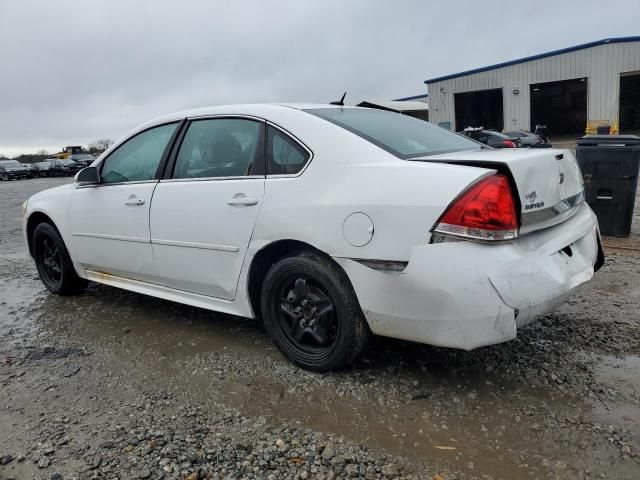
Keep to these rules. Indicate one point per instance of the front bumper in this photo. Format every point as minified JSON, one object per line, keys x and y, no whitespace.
{"x":467,"y":295}
{"x":16,"y":174}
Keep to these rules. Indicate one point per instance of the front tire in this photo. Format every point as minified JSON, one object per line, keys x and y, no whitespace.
{"x":54,"y":263}
{"x":311,"y":312}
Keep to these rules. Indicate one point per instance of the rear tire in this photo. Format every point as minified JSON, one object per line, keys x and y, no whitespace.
{"x":54,"y":263}
{"x":311,"y":312}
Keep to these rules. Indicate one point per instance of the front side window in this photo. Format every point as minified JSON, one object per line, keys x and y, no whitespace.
{"x":403,"y":136}
{"x":221,"y":147}
{"x":138,"y":158}
{"x":284,"y":155}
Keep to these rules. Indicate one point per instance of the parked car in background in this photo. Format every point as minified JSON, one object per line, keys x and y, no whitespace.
{"x":83,"y":159}
{"x":529,"y":140}
{"x":10,"y":169}
{"x":491,"y":138}
{"x":425,"y":237}
{"x":64,"y":168}
{"x":31,"y":170}
{"x":42,"y":168}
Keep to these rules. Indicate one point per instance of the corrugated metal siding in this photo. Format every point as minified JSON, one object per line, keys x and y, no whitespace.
{"x":602,"y":65}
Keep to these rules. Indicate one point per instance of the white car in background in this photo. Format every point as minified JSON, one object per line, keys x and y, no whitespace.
{"x":330,"y":223}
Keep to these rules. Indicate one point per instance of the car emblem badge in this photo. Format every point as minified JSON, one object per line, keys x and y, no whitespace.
{"x":531,"y":197}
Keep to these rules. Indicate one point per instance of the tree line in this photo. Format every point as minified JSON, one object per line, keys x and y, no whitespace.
{"x":94,"y":148}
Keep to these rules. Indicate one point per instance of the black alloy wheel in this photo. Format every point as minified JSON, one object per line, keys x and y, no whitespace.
{"x":307,"y":315}
{"x":53,"y":261}
{"x":49,"y":258}
{"x":311,"y":312}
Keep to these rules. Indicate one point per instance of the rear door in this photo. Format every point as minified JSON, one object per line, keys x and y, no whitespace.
{"x":110,"y":221}
{"x":204,"y":210}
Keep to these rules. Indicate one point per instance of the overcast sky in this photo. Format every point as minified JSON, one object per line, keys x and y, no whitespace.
{"x":75,"y":71}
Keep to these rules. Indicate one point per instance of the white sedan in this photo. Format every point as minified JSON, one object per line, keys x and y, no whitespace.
{"x":330,"y":223}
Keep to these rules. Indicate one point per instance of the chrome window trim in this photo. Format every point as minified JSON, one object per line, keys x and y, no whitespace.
{"x":209,"y":179}
{"x":299,"y":142}
{"x":102,"y":185}
{"x":567,"y":206}
{"x":228,"y":115}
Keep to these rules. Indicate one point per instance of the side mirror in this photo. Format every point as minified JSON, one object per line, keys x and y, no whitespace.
{"x":87,"y":176}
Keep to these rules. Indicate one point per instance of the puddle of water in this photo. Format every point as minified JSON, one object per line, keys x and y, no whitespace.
{"x":456,"y":415}
{"x":623,"y":374}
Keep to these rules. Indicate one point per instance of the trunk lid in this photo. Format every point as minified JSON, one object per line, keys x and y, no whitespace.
{"x":549,"y":182}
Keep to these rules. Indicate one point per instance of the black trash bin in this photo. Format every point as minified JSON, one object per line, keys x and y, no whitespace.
{"x":610,"y":170}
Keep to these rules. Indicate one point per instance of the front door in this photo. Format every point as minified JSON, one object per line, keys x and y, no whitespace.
{"x":110,"y":221}
{"x":202,"y":216}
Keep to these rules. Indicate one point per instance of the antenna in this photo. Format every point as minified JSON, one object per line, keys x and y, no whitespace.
{"x":341,"y":101}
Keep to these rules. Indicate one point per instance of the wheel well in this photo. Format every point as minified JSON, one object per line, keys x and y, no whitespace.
{"x":35,"y":219}
{"x":264,"y":259}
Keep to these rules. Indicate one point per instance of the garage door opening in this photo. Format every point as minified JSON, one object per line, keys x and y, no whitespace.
{"x":561,"y":106}
{"x":479,"y":109}
{"x":630,"y":103}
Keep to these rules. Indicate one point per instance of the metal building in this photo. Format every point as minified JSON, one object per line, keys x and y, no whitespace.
{"x":415,"y":106}
{"x":567,"y":90}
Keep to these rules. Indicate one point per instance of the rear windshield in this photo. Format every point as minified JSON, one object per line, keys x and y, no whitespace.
{"x":401,"y":135}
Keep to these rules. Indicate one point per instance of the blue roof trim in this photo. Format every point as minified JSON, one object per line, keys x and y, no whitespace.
{"x":413,"y":97}
{"x":553,"y":53}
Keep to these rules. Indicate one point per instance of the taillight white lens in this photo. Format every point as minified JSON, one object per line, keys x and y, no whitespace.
{"x":485,"y":211}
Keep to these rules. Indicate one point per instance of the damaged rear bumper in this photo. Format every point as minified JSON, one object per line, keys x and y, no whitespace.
{"x":467,"y":295}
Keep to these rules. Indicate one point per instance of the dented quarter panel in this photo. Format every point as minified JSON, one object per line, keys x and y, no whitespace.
{"x":465,"y":295}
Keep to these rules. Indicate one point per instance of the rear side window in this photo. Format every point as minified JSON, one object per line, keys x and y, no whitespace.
{"x":221,"y":147}
{"x":401,"y":135}
{"x":285,"y":156}
{"x":138,"y":158}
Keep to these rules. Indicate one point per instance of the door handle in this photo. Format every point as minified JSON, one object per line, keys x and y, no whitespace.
{"x":242,"y":200}
{"x":133,"y":200}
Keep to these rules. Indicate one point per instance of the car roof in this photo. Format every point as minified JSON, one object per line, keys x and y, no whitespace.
{"x":258,"y":109}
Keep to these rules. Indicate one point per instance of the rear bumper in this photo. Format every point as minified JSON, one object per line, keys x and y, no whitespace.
{"x":467,"y":295}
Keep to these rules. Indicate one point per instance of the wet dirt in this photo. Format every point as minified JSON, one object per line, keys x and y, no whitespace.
{"x":561,"y":401}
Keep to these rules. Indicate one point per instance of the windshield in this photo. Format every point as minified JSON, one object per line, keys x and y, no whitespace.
{"x":400,"y":135}
{"x":11,"y":164}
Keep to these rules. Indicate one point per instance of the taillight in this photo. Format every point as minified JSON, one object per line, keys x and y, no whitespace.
{"x":509,"y":144}
{"x":485,"y":211}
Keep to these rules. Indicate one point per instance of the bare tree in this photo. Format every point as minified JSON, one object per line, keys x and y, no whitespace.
{"x":42,"y":152}
{"x":99,"y":145}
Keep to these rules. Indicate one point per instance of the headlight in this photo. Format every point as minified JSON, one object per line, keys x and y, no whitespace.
{"x":24,"y":207}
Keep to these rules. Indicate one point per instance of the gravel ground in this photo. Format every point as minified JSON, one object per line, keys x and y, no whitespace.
{"x":112,"y":384}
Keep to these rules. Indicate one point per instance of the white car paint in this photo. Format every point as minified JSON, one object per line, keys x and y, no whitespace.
{"x":197,"y":255}
{"x":194,"y":241}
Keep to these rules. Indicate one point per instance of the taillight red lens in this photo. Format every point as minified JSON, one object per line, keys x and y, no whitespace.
{"x":486,"y":211}
{"x":508,"y":144}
